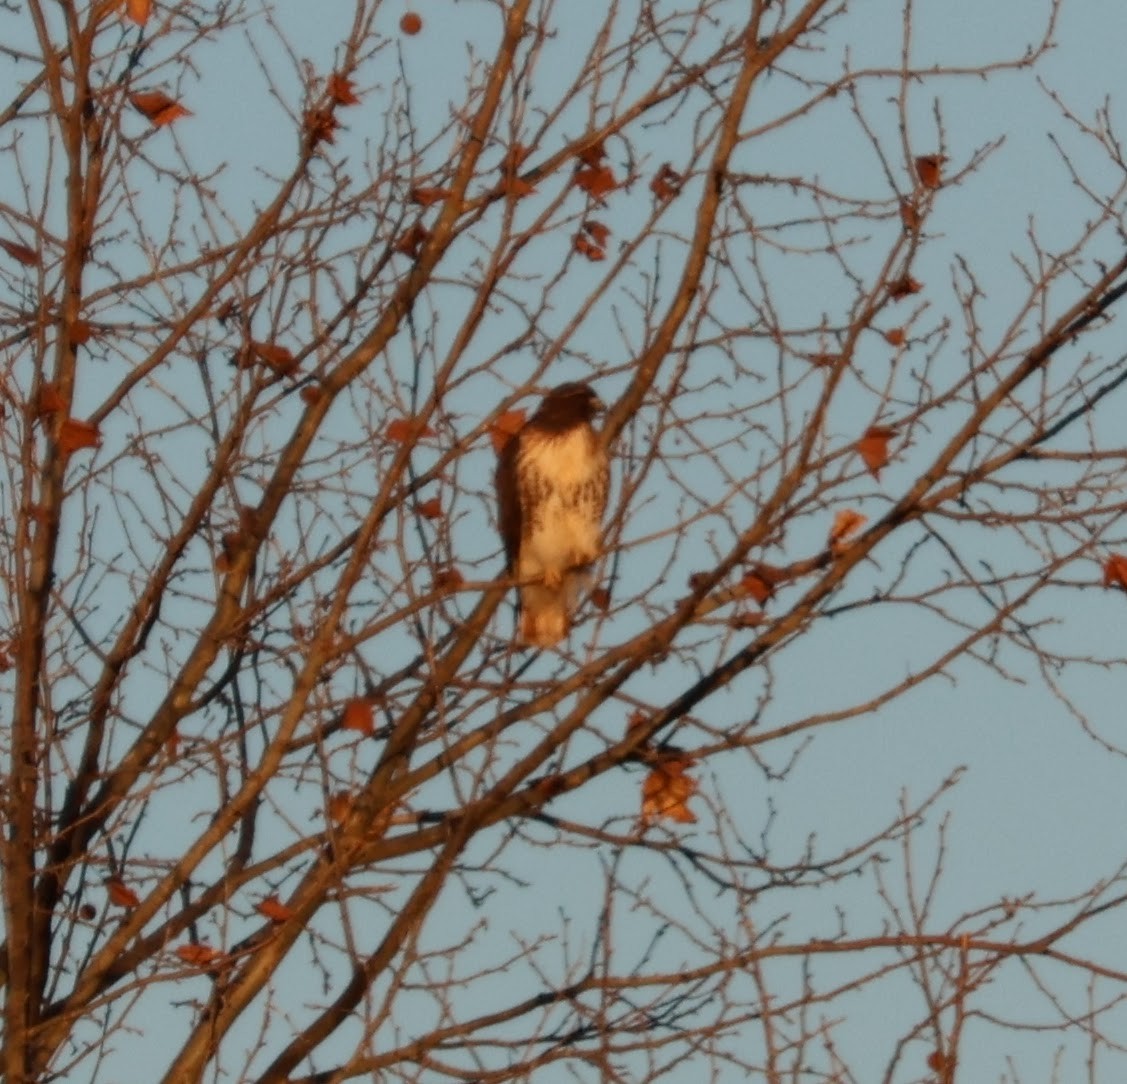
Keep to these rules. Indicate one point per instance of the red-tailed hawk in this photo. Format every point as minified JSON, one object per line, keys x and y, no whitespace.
{"x":552,"y":481}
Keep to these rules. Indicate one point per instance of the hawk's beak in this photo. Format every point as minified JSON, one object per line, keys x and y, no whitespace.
{"x":597,"y":405}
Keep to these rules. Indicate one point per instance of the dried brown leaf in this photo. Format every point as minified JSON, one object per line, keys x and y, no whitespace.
{"x":903,"y":287}
{"x":120,"y":893}
{"x":667,"y":790}
{"x":448,"y":579}
{"x":273,"y":908}
{"x":593,"y":153}
{"x":407,"y":430}
{"x":847,"y":522}
{"x":139,"y":10}
{"x":21,"y":253}
{"x":431,"y":508}
{"x":596,"y":181}
{"x":341,"y":90}
{"x":667,"y":183}
{"x":1115,"y":571}
{"x":359,"y":716}
{"x":411,"y":240}
{"x":425,"y":195}
{"x":75,"y":434}
{"x":158,"y":107}
{"x":198,"y":955}
{"x":929,"y":168}
{"x":504,"y":427}
{"x":873,"y":447}
{"x":321,"y":125}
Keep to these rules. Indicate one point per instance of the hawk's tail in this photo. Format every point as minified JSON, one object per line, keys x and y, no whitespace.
{"x":545,"y":617}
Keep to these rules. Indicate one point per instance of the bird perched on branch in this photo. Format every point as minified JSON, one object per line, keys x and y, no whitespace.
{"x":552,"y":481}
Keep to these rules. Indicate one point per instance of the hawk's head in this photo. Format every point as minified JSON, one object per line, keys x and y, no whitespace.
{"x":568,"y":405}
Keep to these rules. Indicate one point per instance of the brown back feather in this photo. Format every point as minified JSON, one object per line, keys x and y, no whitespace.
{"x":508,"y":499}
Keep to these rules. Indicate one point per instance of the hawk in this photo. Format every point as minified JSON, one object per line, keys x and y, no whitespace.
{"x":552,"y":481}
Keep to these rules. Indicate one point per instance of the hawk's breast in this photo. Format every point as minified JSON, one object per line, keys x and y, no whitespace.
{"x":563,"y":488}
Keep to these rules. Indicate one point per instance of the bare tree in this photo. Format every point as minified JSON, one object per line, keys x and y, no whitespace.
{"x":285,"y":797}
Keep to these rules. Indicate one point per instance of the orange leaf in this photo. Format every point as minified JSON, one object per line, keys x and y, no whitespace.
{"x":158,"y":107}
{"x":410,"y":242}
{"x":273,"y":909}
{"x":310,"y":394}
{"x":227,"y":311}
{"x":230,"y":543}
{"x":432,"y":508}
{"x":518,"y":187}
{"x":504,"y":427}
{"x":120,"y":893}
{"x":358,"y":716}
{"x":596,"y":181}
{"x":873,"y":447}
{"x":75,"y":434}
{"x":894,"y":336}
{"x":593,"y":154}
{"x":407,"y":430}
{"x":1115,"y":571}
{"x":597,"y":231}
{"x":666,"y":183}
{"x":425,"y":195}
{"x":904,"y":287}
{"x":589,"y":249}
{"x":929,"y":168}
{"x":167,"y":116}
{"x":939,"y":1061}
{"x":198,"y":955}
{"x":139,"y":10}
{"x":746,"y":620}
{"x":698,"y":581}
{"x":277,"y":357}
{"x":411,"y":23}
{"x":50,"y":400}
{"x":21,"y":253}
{"x":600,"y":599}
{"x":827,"y":361}
{"x":448,"y":579}
{"x":760,"y":581}
{"x":340,"y":805}
{"x":910,"y":215}
{"x":321,"y":126}
{"x":81,"y":331}
{"x":846,"y":523}
{"x":668,"y":788}
{"x":341,"y":90}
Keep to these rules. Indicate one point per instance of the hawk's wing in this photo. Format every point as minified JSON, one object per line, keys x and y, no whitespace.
{"x":508,"y":499}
